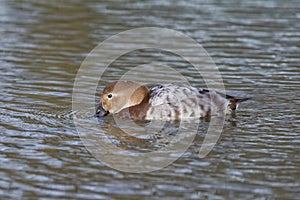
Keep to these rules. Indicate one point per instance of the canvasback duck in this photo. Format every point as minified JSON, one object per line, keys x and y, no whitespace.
{"x":129,"y":99}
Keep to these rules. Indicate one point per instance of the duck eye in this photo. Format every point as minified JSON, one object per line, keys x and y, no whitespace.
{"x":109,"y":96}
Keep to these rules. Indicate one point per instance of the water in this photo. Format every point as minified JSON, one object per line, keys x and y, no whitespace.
{"x":256,"y":47}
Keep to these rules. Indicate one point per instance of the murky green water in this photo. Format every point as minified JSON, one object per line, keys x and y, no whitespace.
{"x":256,"y":46}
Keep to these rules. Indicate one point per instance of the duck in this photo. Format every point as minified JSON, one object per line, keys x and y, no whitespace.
{"x":129,"y":99}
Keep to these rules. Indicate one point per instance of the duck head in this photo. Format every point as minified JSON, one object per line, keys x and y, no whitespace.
{"x":120,"y":95}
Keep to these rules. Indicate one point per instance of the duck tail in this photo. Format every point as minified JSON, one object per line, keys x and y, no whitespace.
{"x":234,"y":102}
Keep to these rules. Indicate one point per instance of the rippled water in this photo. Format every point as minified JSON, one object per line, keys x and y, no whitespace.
{"x":256,"y":47}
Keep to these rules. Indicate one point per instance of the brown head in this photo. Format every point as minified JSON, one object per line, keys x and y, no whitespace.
{"x":120,"y":95}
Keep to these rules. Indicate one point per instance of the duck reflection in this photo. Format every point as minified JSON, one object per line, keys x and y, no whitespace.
{"x":141,"y":135}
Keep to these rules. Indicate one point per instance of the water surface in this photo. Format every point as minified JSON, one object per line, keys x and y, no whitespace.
{"x":256,"y":47}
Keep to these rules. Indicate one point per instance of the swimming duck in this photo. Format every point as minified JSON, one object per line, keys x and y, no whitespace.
{"x":128,"y":99}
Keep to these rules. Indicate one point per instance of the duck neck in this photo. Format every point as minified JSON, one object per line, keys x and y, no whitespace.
{"x":137,"y":111}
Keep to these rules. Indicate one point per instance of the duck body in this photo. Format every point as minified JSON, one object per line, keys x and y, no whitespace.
{"x":129,"y":99}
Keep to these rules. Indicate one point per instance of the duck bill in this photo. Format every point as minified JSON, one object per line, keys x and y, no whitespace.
{"x":101,"y":112}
